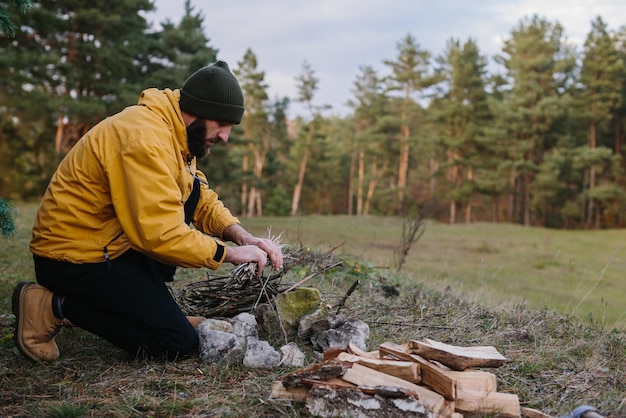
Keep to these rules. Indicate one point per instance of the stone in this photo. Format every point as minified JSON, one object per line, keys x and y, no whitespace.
{"x":260,"y":354}
{"x":291,"y":355}
{"x":348,"y":331}
{"x":244,"y":326}
{"x":216,"y":325}
{"x":305,"y":325}
{"x":219,"y":347}
{"x":293,"y":306}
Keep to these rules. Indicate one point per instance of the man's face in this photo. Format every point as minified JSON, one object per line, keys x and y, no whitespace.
{"x":202,"y":134}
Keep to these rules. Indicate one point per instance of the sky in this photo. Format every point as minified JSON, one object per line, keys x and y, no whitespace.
{"x":338,"y":37}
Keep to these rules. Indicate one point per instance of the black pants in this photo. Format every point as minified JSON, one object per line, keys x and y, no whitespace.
{"x":125,"y":302}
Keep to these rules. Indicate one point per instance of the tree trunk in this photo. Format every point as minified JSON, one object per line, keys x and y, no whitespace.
{"x":254,"y":200}
{"x":403,"y":163}
{"x":377,"y":174}
{"x":361,"y":180}
{"x":59,"y":136}
{"x":453,"y":180}
{"x":526,"y":186}
{"x":433,"y":166}
{"x":244,"y":185}
{"x":468,"y":208}
{"x":297,"y":191}
{"x":351,"y":179}
{"x":592,"y":176}
{"x":403,"y":166}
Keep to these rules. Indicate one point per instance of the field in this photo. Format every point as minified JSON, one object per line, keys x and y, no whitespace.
{"x":550,"y":301}
{"x":579,"y":273}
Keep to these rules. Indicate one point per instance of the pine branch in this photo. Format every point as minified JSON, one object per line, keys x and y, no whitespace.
{"x":7,"y":212}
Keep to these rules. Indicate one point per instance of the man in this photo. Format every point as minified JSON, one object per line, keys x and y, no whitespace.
{"x":113,"y":223}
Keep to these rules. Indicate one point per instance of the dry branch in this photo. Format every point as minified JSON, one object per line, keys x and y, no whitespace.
{"x":242,"y":290}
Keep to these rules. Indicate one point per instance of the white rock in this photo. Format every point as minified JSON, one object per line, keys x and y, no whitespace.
{"x":292,"y":356}
{"x":260,"y":355}
{"x":219,"y":347}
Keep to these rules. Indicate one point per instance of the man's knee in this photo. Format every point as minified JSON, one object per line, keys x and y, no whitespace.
{"x":186,"y":343}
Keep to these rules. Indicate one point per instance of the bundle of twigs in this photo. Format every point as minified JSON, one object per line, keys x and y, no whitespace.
{"x":243,"y":290}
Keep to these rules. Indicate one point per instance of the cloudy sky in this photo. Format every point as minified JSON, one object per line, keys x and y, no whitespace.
{"x":336,"y":37}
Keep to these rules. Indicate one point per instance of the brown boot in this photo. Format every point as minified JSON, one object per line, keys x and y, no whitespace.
{"x":35,"y":321}
{"x":195,"y":320}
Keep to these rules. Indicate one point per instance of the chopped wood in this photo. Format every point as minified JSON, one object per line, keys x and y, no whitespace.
{"x":280,"y":392}
{"x":364,"y":376}
{"x":318,"y":371}
{"x":431,"y":375}
{"x":332,"y":382}
{"x":503,"y":404}
{"x":476,"y":380}
{"x":361,"y":383}
{"x":323,"y":402}
{"x":458,"y":358}
{"x":406,"y":370}
{"x":300,"y":393}
{"x":353,"y":349}
{"x":332,"y":353}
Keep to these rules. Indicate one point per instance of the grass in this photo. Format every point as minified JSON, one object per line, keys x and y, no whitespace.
{"x":547,"y":300}
{"x":579,"y":273}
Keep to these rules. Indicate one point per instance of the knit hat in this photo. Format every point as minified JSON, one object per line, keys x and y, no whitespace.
{"x":213,"y":93}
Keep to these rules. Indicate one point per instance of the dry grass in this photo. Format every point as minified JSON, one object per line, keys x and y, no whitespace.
{"x":556,"y":362}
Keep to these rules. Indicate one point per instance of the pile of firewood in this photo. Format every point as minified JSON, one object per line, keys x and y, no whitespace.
{"x":242,"y":290}
{"x":419,"y":379}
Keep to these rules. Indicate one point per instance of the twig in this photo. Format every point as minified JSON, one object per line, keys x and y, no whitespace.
{"x":346,"y":296}
{"x":332,"y":250}
{"x":263,"y":291}
{"x":310,"y":276}
{"x":402,"y":324}
{"x":282,"y":328}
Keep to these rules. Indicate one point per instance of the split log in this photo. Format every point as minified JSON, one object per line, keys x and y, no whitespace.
{"x":300,"y":393}
{"x":406,"y":370}
{"x":323,"y":402}
{"x":458,"y":358}
{"x":353,"y":349}
{"x":332,"y":353}
{"x":364,"y":376}
{"x":280,"y":392}
{"x":502,"y":404}
{"x":431,"y":374}
{"x":476,"y":380}
{"x":332,"y":383}
{"x":318,"y":371}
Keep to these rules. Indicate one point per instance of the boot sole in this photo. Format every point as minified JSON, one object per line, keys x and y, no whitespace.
{"x":17,"y":305}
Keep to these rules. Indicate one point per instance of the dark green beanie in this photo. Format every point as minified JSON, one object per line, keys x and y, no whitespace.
{"x":213,"y":93}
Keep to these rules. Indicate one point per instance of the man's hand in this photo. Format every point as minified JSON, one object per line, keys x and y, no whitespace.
{"x":251,"y":248}
{"x":245,"y":254}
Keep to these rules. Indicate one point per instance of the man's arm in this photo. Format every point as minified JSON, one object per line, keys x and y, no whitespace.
{"x":251,"y":248}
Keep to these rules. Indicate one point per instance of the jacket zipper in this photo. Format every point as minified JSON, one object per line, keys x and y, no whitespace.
{"x":106,"y":250}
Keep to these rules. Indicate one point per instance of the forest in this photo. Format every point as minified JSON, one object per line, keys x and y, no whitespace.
{"x":539,"y":141}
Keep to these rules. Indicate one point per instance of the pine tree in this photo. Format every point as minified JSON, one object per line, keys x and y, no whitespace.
{"x":256,"y":131}
{"x":538,"y":68}
{"x":463,"y":112}
{"x":6,"y":24}
{"x":411,"y":74}
{"x":307,"y":85}
{"x":369,"y":162}
{"x":602,"y":78}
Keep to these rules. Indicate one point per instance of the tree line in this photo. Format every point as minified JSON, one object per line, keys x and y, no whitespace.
{"x":536,"y":138}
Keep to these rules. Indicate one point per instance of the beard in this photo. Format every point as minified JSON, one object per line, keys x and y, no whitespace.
{"x":196,"y":139}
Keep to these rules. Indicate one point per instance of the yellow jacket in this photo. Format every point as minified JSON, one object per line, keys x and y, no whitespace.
{"x":124,"y":185}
